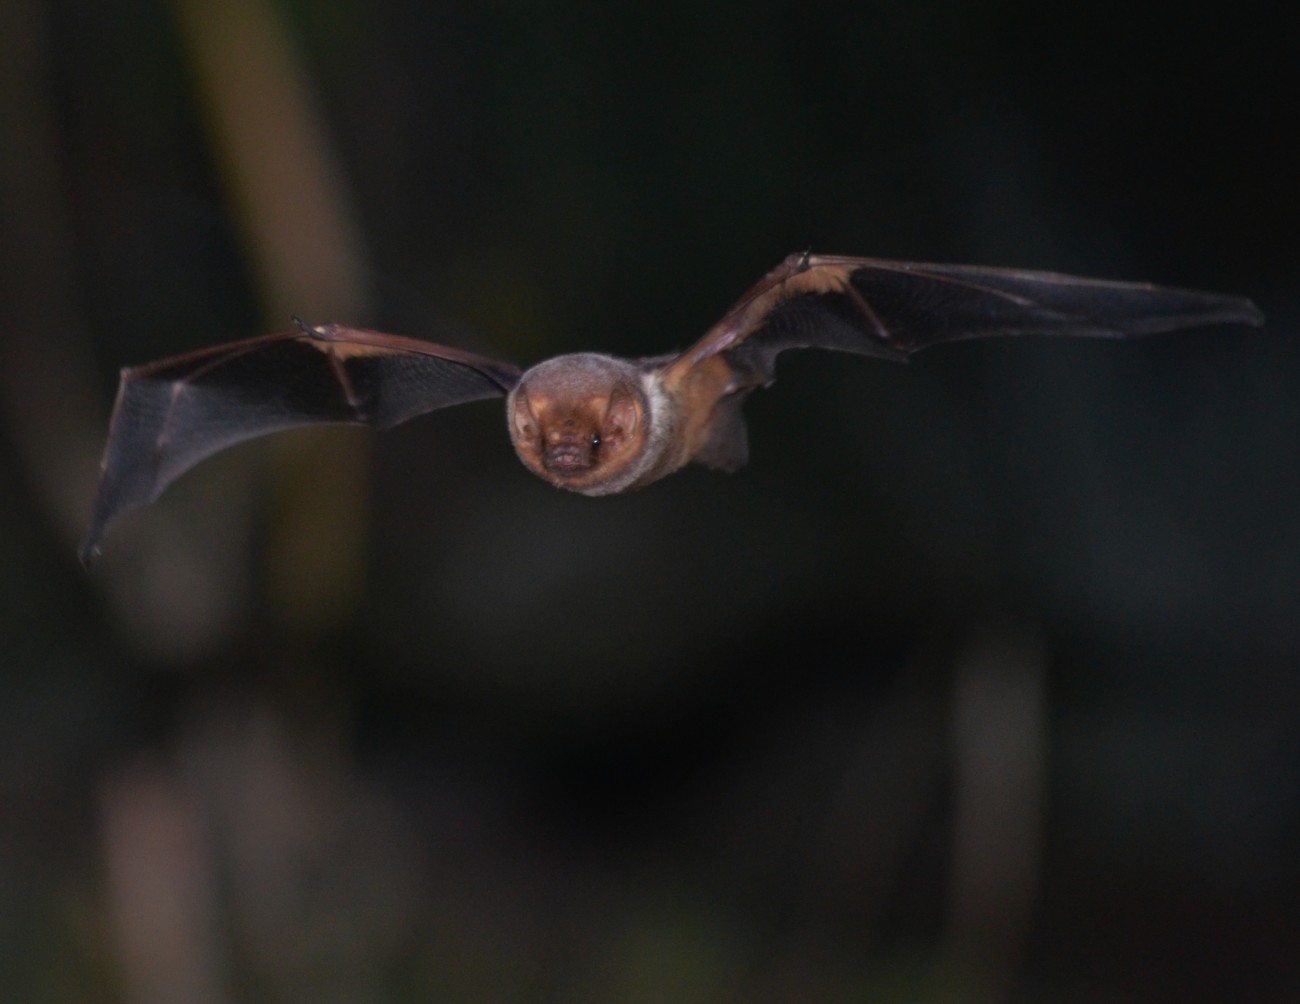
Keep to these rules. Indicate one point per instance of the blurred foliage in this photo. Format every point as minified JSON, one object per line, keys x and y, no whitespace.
{"x":979,"y":683}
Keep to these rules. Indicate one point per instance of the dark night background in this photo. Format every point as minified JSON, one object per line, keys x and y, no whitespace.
{"x":981,"y":682}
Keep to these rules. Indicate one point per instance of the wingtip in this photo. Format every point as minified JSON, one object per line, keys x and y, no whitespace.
{"x":89,"y":551}
{"x":1237,"y":310}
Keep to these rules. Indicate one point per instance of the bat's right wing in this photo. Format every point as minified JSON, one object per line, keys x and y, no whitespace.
{"x":175,"y":412}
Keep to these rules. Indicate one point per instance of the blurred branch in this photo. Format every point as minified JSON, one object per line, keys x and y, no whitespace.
{"x":291,"y":208}
{"x":162,"y":888}
{"x":999,"y":751}
{"x":46,"y":385}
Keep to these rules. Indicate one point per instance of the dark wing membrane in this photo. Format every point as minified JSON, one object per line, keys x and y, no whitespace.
{"x":173,"y":413}
{"x":892,"y":309}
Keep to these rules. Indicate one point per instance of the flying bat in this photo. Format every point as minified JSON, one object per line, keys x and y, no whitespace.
{"x":594,"y":423}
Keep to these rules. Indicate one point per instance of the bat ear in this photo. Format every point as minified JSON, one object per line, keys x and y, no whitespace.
{"x":523,"y":420}
{"x":622,"y":415}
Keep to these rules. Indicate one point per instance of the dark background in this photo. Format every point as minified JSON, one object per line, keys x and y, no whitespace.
{"x":980,"y":682}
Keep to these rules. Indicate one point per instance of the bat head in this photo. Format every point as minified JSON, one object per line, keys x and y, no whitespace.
{"x":579,"y":421}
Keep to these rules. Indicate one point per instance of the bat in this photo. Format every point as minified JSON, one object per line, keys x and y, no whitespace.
{"x":598,"y":424}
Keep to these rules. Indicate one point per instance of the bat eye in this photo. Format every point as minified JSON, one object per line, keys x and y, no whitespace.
{"x":595,"y":442}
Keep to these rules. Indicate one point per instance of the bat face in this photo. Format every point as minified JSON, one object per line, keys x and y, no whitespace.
{"x":579,"y":421}
{"x":596,"y":424}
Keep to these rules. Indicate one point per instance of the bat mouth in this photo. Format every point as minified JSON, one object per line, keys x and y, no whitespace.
{"x":567,"y":460}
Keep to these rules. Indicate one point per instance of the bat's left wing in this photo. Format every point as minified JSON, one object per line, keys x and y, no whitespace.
{"x":173,"y":413}
{"x":891,"y":309}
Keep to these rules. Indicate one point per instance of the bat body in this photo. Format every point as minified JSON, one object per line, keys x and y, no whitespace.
{"x":593,"y":423}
